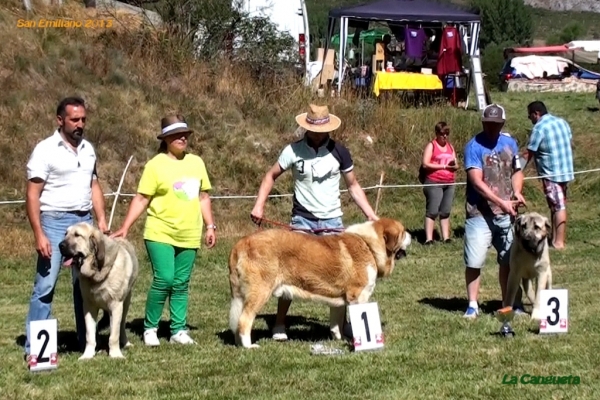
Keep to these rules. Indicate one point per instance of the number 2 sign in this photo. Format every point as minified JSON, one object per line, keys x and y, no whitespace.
{"x":555,"y":311}
{"x":43,"y":338}
{"x":366,"y":326}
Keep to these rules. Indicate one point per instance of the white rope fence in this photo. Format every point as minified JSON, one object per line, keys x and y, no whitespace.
{"x":233,"y":197}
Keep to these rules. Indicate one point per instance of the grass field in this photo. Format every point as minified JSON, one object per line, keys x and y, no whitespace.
{"x":431,"y":352}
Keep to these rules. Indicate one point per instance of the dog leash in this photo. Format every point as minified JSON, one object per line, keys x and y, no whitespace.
{"x":259,"y":221}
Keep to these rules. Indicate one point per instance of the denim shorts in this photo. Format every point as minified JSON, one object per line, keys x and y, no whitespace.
{"x":317,"y":225}
{"x":483,"y":232}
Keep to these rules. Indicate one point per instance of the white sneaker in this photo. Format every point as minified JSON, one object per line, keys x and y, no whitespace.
{"x":182,"y":337}
{"x":150,"y":338}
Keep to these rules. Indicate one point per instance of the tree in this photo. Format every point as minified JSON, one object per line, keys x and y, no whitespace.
{"x":504,"y":21}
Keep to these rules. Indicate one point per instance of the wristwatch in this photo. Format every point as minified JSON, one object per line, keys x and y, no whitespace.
{"x":211,"y":226}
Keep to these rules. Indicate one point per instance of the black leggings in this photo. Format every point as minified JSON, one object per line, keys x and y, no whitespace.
{"x":438,"y":200}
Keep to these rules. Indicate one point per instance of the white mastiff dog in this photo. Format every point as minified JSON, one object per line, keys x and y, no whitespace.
{"x":108,"y":270}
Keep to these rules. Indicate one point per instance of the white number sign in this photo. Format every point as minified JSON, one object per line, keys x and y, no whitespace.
{"x":366,"y":326}
{"x":43,"y":341}
{"x":555,"y":311}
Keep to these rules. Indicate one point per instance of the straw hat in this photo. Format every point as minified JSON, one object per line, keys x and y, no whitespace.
{"x":173,"y":124}
{"x":318,"y":119}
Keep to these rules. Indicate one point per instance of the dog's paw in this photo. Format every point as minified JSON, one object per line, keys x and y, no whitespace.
{"x":116,"y":354}
{"x":128,"y":344}
{"x":86,"y":356}
{"x":336,"y":335}
{"x":254,"y":346}
{"x":536,"y":315}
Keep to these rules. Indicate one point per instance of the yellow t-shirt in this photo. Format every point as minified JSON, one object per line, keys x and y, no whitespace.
{"x":174,"y":214}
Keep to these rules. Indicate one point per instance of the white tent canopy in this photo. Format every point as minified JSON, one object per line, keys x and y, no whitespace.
{"x":587,"y":51}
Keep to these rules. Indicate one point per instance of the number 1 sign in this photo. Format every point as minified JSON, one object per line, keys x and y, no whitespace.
{"x":555,"y":311}
{"x":366,"y":326}
{"x":43,"y":335}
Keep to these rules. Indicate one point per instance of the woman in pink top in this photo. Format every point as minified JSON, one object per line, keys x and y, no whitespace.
{"x":440,"y":166}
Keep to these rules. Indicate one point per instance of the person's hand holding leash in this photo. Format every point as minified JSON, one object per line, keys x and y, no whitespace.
{"x":257,"y":214}
{"x":103,"y":227}
{"x":521,"y":200}
{"x":210,"y":238}
{"x":42,"y":245}
{"x":509,"y":207}
{"x":119,"y":233}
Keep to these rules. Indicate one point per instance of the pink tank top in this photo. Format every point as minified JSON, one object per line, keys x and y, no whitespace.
{"x":442,"y":157}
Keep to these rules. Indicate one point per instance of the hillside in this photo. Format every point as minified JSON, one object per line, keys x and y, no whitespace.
{"x":130,"y":78}
{"x":566,"y":5}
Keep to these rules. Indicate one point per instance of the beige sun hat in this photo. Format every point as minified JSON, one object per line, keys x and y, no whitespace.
{"x":173,"y":124}
{"x":318,"y":119}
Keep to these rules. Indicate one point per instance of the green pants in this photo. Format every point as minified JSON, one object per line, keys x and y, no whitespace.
{"x":172,"y":269}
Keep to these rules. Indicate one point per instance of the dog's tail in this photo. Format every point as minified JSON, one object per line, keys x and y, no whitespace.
{"x":237,"y":302}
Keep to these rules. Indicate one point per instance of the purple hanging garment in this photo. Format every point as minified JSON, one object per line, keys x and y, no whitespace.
{"x":415,"y":39}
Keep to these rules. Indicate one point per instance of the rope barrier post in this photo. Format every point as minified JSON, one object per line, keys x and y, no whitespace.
{"x":379,"y":191}
{"x":112,"y":212}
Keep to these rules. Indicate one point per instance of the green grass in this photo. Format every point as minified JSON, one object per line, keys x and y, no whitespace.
{"x":430,"y":351}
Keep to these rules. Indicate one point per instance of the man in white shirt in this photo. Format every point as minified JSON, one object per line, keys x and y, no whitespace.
{"x":62,"y":189}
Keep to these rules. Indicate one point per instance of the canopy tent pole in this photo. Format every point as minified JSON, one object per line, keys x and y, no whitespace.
{"x":342,"y":53}
{"x":330,"y":29}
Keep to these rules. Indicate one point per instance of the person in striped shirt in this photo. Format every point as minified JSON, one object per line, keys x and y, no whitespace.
{"x":550,"y":146}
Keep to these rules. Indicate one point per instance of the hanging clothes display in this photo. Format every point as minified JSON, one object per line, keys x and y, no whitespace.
{"x":415,"y":41}
{"x":450,"y":55}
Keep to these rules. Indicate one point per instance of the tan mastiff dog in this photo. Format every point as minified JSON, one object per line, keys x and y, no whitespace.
{"x":529,"y":260}
{"x":335,"y":270}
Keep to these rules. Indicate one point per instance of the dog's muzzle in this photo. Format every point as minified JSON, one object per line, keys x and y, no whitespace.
{"x":533,"y":246}
{"x":400,"y":254}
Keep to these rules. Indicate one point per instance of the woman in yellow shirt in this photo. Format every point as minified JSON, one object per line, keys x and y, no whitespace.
{"x":173,"y":189}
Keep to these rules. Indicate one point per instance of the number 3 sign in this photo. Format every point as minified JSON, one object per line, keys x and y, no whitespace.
{"x":554,"y":304}
{"x":366,"y":326}
{"x":43,"y":345}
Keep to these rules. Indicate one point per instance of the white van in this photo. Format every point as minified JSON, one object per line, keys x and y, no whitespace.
{"x":288,"y":15}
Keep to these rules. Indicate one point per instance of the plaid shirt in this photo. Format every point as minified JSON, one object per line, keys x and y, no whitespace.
{"x":550,"y":141}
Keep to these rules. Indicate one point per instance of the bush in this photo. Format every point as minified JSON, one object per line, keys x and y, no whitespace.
{"x":214,"y":29}
{"x":504,"y":21}
{"x":571,"y":32}
{"x":492,"y":61}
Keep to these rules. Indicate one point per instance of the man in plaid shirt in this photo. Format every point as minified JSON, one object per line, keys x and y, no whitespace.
{"x":550,"y":146}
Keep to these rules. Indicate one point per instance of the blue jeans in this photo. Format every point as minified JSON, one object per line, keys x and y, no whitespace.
{"x":54,"y":225}
{"x":304,"y":223}
{"x":483,"y":232}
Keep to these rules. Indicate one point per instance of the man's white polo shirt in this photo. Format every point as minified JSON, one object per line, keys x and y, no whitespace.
{"x":316,"y":177}
{"x":67,"y":174}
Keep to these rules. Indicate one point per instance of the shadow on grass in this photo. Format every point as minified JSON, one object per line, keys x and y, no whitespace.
{"x":297,"y":328}
{"x":455,"y":304}
{"x":136,"y":326}
{"x":66,"y":342}
{"x":419,"y":234}
{"x":593,"y":109}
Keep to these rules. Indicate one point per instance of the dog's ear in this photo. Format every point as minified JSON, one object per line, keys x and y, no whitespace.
{"x":97,"y":244}
{"x":391,"y":234}
{"x":548,"y":226}
{"x":519,"y":224}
